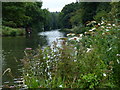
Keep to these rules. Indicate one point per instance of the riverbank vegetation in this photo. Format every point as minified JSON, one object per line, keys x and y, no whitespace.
{"x":27,"y":15}
{"x":89,"y":57}
{"x":8,"y":31}
{"x":88,"y":60}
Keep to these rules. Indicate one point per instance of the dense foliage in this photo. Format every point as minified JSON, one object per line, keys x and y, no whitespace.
{"x":89,"y":60}
{"x":78,"y":14}
{"x":28,"y":15}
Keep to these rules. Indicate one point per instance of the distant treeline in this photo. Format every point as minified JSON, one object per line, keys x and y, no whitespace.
{"x":28,"y":15}
{"x":79,"y":13}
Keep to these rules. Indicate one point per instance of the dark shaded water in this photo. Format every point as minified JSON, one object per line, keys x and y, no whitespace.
{"x":13,"y":51}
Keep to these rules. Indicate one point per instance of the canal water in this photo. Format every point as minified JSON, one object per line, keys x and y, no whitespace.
{"x":13,"y":50}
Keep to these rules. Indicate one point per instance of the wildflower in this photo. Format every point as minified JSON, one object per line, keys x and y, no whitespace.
{"x":104,"y":74}
{"x":25,"y":86}
{"x":102,"y":22}
{"x":90,"y":30}
{"x":102,"y":27}
{"x":88,"y":50}
{"x":36,"y":80}
{"x":75,"y":38}
{"x":48,"y":56}
{"x":118,"y":61}
{"x":93,"y":28}
{"x":27,"y":74}
{"x":60,"y":86}
{"x":98,"y":23}
{"x":44,"y":57}
{"x":76,"y":52}
{"x":118,"y":55}
{"x":75,"y":60}
{"x":113,"y":25}
{"x":107,"y":30}
{"x":80,"y":35}
{"x":28,"y":48}
{"x":86,"y":32}
{"x":75,"y":48}
{"x":109,"y":49}
{"x":103,"y":33}
{"x":109,"y":24}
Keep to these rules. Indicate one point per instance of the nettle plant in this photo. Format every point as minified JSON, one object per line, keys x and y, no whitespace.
{"x":82,"y":61}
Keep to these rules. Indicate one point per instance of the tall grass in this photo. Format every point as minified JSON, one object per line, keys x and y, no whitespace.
{"x":8,"y":31}
{"x":89,"y":60}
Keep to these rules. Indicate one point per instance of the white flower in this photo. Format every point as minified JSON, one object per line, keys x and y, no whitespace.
{"x":109,"y":49}
{"x":103,"y":33}
{"x":90,"y":30}
{"x":80,"y":35}
{"x":85,"y":32}
{"x":75,"y":48}
{"x":75,"y":60}
{"x":113,"y":25}
{"x":76,"y":52}
{"x":104,"y":74}
{"x":27,"y":74}
{"x":36,"y":80}
{"x":75,"y":38}
{"x":88,"y":50}
{"x":107,"y":30}
{"x":43,"y":57}
{"x":118,"y":61}
{"x":48,"y":56}
{"x":48,"y":66}
{"x":118,"y":55}
{"x":109,"y":24}
{"x":102,"y":27}
{"x":102,"y":22}
{"x":98,"y":23}
{"x":93,"y":28}
{"x":60,"y":86}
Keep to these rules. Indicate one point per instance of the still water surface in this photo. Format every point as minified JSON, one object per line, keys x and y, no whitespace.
{"x":13,"y":51}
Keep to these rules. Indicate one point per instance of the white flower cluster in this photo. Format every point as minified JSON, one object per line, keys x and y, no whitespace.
{"x":75,"y":38}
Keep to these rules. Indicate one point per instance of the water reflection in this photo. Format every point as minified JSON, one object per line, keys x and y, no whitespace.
{"x":13,"y":51}
{"x":53,"y":36}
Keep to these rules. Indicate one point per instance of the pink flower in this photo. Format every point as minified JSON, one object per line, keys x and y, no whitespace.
{"x":28,"y":48}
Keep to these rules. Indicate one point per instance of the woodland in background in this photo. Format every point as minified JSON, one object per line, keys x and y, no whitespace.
{"x":75,"y":15}
{"x":28,"y":15}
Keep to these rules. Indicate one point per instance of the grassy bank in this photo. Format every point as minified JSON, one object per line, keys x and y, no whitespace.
{"x":8,"y":31}
{"x":88,"y":60}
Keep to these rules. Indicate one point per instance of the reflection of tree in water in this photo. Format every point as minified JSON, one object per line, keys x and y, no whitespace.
{"x":33,"y":40}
